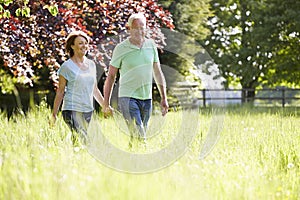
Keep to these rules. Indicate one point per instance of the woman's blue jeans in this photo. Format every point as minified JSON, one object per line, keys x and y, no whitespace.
{"x":77,"y":121}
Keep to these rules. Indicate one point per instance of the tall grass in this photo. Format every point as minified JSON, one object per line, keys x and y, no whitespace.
{"x":257,"y":157}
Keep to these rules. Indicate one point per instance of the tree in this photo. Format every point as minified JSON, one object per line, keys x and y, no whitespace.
{"x":246,"y":40}
{"x":33,"y":34}
{"x":190,"y":18}
{"x":285,"y":64}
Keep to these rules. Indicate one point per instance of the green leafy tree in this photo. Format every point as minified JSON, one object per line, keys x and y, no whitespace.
{"x":247,"y":37}
{"x":285,"y":62}
{"x":190,"y":18}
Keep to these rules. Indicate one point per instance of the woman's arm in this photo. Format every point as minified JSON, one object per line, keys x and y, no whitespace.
{"x":62,"y":82}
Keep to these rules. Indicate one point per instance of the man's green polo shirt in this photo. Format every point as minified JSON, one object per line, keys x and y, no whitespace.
{"x":136,"y":68}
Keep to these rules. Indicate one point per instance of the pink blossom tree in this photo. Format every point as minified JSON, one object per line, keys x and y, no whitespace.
{"x":33,"y":34}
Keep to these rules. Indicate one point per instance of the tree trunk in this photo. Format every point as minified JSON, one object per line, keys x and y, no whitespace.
{"x":248,"y":95}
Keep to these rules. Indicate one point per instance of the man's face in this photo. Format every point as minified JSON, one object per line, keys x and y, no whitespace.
{"x":137,"y":29}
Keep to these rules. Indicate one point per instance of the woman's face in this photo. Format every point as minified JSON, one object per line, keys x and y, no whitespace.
{"x":80,"y":46}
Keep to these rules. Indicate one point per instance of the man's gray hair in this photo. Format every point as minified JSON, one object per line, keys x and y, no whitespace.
{"x":136,"y":16}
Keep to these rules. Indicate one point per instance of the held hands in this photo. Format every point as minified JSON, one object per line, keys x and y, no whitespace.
{"x":107,"y":110}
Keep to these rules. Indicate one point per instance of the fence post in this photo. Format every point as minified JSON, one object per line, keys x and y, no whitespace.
{"x":243,"y":97}
{"x":283,"y":96}
{"x":204,"y":98}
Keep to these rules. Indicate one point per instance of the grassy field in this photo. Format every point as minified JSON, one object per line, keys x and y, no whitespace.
{"x":256,"y":157}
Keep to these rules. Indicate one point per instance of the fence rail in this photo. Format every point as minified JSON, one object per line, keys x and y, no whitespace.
{"x":285,"y":96}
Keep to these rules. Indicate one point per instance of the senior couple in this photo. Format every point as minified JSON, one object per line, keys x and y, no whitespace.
{"x":136,"y":59}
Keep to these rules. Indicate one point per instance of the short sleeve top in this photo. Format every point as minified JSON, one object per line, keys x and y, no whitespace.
{"x":80,"y":85}
{"x":136,"y":68}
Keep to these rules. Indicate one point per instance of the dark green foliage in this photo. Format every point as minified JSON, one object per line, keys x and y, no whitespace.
{"x":256,"y":43}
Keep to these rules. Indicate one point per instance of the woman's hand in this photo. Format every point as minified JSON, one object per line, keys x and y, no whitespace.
{"x":107,"y":110}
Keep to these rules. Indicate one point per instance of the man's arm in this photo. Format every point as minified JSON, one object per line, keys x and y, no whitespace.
{"x":161,"y":84}
{"x":108,"y":87}
{"x":97,"y":95}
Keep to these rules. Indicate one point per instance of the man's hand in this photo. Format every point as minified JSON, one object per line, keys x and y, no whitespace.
{"x":164,"y":107}
{"x":52,"y":120}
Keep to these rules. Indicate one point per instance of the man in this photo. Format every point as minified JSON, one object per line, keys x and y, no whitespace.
{"x":137,"y":60}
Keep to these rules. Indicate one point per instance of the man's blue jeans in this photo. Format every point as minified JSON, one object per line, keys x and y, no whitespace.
{"x":136,"y":113}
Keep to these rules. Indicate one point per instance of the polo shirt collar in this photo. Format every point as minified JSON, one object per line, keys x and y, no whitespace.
{"x":128,"y":44}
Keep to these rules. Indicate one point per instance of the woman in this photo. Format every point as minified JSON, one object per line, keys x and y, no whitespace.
{"x":77,"y":86}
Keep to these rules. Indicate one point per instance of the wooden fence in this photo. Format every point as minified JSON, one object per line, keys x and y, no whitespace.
{"x":191,"y":96}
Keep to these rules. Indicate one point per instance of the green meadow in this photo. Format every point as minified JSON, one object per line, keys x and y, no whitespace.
{"x":257,"y":156}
